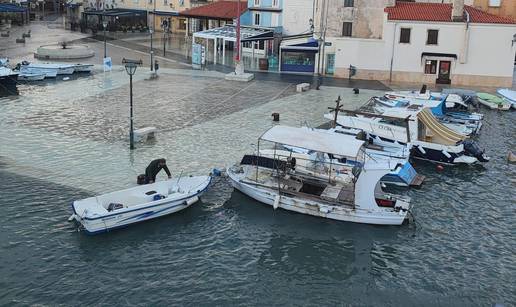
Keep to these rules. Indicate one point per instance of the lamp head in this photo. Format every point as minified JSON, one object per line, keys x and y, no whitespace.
{"x":130,"y":68}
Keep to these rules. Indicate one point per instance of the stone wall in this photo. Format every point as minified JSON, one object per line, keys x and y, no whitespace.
{"x":417,"y":77}
{"x":366,"y":16}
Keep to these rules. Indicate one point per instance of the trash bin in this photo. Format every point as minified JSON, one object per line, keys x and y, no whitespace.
{"x":264,"y":64}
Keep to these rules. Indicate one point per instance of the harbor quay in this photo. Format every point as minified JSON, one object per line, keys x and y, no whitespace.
{"x":212,"y":238}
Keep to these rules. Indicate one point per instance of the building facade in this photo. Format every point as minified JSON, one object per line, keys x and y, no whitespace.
{"x":422,"y":43}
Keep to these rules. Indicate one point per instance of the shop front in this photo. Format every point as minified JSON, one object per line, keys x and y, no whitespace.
{"x":299,"y":57}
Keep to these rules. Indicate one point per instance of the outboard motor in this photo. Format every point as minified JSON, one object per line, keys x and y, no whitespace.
{"x":140,"y":179}
{"x":472,"y":149}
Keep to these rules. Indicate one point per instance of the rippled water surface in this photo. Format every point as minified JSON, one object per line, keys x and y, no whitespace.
{"x":62,"y":141}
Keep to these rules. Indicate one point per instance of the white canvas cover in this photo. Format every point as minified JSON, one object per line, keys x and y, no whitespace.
{"x":314,"y":140}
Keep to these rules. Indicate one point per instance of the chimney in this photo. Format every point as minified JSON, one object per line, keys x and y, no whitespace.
{"x":458,"y":10}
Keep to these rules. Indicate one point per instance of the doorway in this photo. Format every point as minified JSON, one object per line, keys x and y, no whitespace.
{"x":330,"y":64}
{"x":444,"y":72}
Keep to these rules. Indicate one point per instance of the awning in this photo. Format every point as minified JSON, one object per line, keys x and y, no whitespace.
{"x":116,"y":12}
{"x":164,"y":13}
{"x":260,"y":37}
{"x":438,"y":56}
{"x":228,"y":33}
{"x":11,"y":8}
{"x":314,"y":140}
{"x":310,"y":46}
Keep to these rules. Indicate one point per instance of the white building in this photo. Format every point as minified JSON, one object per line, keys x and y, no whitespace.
{"x":431,"y":43}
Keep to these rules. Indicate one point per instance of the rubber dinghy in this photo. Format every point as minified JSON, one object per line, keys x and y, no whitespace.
{"x":118,"y":209}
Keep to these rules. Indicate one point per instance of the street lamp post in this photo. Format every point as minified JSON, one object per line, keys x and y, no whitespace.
{"x":130,"y":68}
{"x":151,"y":30}
{"x":104,"y":25}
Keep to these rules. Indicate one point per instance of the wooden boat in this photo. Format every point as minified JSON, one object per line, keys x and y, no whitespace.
{"x":332,"y":191}
{"x":118,"y":209}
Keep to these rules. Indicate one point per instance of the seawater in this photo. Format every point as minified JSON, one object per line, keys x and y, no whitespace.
{"x":61,"y":141}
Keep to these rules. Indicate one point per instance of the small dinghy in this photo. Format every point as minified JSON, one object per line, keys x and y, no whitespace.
{"x":493,"y":101}
{"x":118,"y":209}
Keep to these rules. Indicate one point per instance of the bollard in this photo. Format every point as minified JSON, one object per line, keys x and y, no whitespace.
{"x":275,"y":117}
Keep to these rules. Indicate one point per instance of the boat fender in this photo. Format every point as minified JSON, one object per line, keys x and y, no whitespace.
{"x":192,"y":200}
{"x":276,"y":202}
{"x":324,"y":209}
{"x":421,"y":149}
{"x":72,"y":217}
{"x":446,"y":154}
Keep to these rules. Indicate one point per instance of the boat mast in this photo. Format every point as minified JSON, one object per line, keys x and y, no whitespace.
{"x":337,"y":109}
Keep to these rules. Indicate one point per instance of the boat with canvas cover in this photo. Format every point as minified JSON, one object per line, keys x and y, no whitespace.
{"x":392,"y":156}
{"x":118,"y":209}
{"x":493,"y":102}
{"x":427,"y":138}
{"x":508,"y":95}
{"x":342,"y":192}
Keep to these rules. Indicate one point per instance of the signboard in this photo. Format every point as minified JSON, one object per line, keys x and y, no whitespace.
{"x":196,"y":56}
{"x":108,"y":65}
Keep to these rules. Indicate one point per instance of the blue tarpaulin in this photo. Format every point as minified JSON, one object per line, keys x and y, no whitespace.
{"x":11,"y":8}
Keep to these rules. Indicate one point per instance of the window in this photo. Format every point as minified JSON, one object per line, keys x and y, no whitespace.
{"x":405,"y":35}
{"x":349,"y":3}
{"x":275,"y":3}
{"x":165,"y":2}
{"x":432,"y":37}
{"x":256,"y":2}
{"x":430,"y":67}
{"x":495,"y":3}
{"x":256,"y":19}
{"x":347,"y":28}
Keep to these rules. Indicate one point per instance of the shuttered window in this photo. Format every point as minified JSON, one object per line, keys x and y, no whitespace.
{"x":405,"y":35}
{"x":347,"y":29}
{"x":432,"y":37}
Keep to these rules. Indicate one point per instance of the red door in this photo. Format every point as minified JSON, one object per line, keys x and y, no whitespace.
{"x":444,"y":72}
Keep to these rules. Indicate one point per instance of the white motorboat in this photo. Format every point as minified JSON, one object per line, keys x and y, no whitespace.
{"x":83,"y":67}
{"x":508,"y":95}
{"x":339,"y":192}
{"x":51,"y":70}
{"x":31,"y":76}
{"x":118,"y":209}
{"x":427,"y":138}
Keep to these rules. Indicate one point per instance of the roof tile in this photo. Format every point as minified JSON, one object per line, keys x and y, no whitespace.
{"x":219,"y":10}
{"x":439,"y":12}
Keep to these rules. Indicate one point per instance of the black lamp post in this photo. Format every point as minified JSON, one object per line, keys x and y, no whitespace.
{"x":130,"y":68}
{"x":104,"y":25}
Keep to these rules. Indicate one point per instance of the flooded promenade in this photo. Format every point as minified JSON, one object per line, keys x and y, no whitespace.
{"x":65,"y":140}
